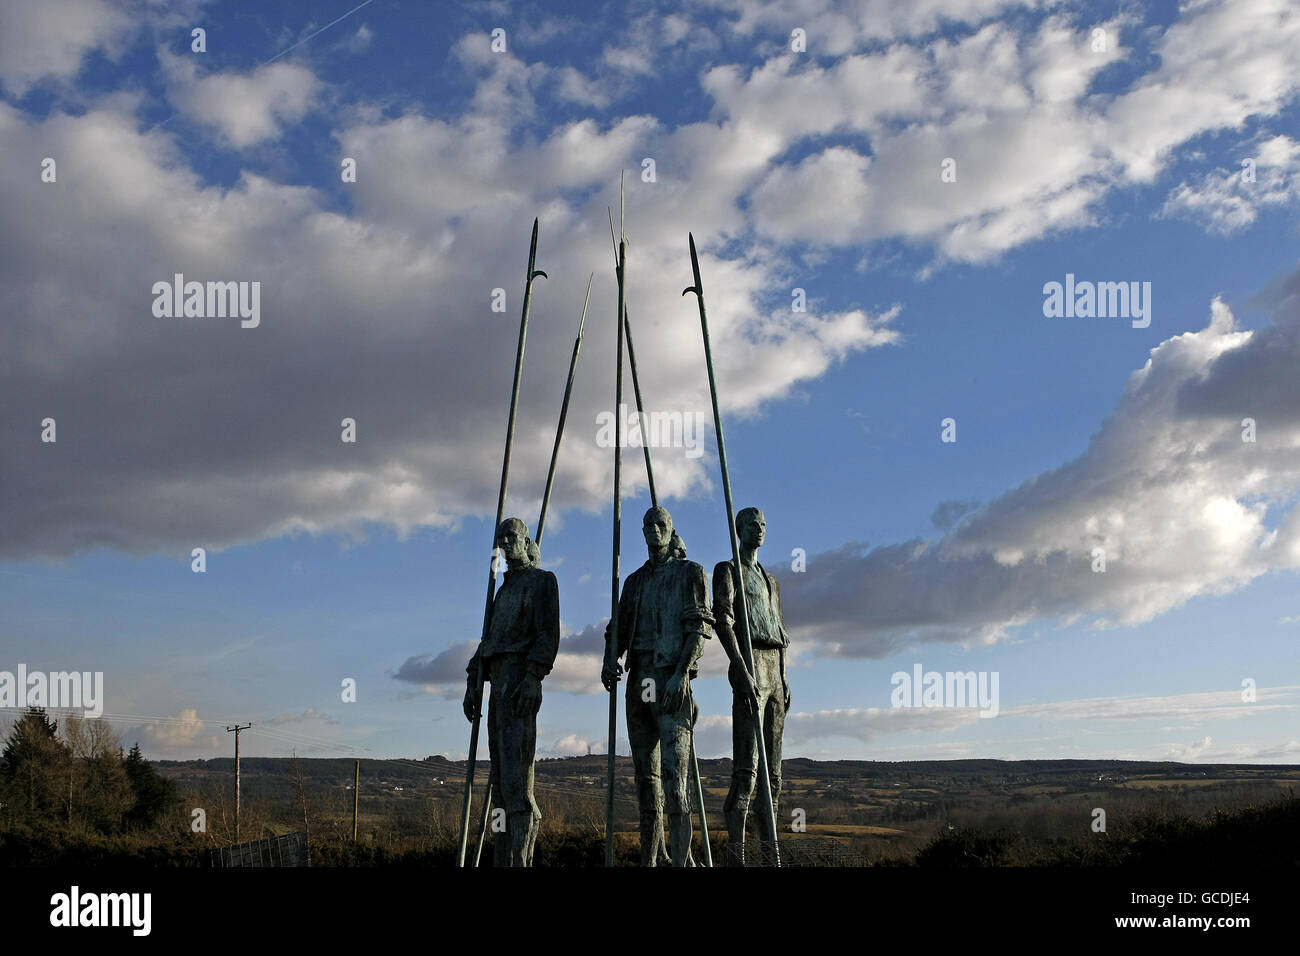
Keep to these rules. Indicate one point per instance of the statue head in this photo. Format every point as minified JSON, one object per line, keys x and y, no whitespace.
{"x":751,"y":527}
{"x":658,"y":529}
{"x":677,"y":547}
{"x":513,"y":540}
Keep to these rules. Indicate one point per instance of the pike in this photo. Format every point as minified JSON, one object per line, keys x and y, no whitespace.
{"x":564,"y":413}
{"x":636,"y":384}
{"x":654,"y":501}
{"x":541,"y":520}
{"x":492,"y":565}
{"x":618,"y":518}
{"x":742,"y":615}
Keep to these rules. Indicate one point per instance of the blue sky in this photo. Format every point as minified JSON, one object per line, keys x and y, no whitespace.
{"x":816,"y":169}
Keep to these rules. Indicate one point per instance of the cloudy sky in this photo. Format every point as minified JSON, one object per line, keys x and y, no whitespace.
{"x":915,"y":173}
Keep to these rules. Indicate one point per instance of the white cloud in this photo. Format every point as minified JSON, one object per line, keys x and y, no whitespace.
{"x":816,"y":732}
{"x":1179,"y":503}
{"x":1205,"y":705}
{"x":572,"y":745}
{"x":51,"y":38}
{"x":245,"y":108}
{"x":440,"y":216}
{"x":1035,"y":150}
{"x":360,"y":40}
{"x":1226,"y":203}
{"x":183,"y":733}
{"x":835,"y":28}
{"x":1191,"y":751}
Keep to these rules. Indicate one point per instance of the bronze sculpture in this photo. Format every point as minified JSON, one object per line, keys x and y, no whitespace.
{"x":518,"y":651}
{"x":761,"y":696}
{"x":663,"y":621}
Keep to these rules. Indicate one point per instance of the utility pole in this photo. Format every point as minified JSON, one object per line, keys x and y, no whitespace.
{"x":237,"y":728}
{"x":356,"y":798}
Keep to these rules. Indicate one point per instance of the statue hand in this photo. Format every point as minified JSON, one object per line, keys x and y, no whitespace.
{"x":785,"y":687}
{"x":743,"y":686}
{"x":675,"y":693}
{"x":610,"y":673}
{"x":470,"y":704}
{"x":528,"y":696}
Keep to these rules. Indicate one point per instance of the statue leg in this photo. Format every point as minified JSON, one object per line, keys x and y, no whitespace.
{"x":661,"y":845}
{"x":743,"y":778}
{"x":643,"y":735}
{"x":774,"y":731}
{"x":675,"y":737}
{"x":772,"y":707}
{"x":523,"y":832}
{"x":518,"y":747}
{"x":499,"y":840}
{"x":766,"y":702}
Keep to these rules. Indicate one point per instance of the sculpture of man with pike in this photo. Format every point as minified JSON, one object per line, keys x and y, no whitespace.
{"x":516,"y":655}
{"x":761,"y":697}
{"x":663,"y":621}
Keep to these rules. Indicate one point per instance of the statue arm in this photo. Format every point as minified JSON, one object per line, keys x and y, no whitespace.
{"x":611,"y":670}
{"x":692,"y":651}
{"x":724,"y":613}
{"x":780,"y":619}
{"x":472,"y":700}
{"x":697,"y":619}
{"x":780,"y":610}
{"x":625,"y":622}
{"x":541,"y":656}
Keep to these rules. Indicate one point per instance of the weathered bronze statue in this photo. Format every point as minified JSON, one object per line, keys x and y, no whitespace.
{"x":663,"y":622}
{"x":523,"y":637}
{"x":765,"y":692}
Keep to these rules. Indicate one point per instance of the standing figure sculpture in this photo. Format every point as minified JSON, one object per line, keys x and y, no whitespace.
{"x":766,"y":692}
{"x":663,"y":622}
{"x":522,"y":640}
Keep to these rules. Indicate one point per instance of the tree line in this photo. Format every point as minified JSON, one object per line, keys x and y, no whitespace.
{"x":78,"y":776}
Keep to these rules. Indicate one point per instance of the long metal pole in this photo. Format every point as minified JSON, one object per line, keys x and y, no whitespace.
{"x":492,"y":564}
{"x":742,"y":612}
{"x":564,"y":414}
{"x":636,"y":382}
{"x":483,"y":822}
{"x":699,"y":795}
{"x":541,"y":521}
{"x":618,"y":517}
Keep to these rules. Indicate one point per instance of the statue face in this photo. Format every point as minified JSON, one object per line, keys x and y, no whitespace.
{"x":658,"y":529}
{"x":512,"y":539}
{"x":753,"y":530}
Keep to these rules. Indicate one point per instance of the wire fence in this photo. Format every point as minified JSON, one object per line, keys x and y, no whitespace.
{"x":287,"y":850}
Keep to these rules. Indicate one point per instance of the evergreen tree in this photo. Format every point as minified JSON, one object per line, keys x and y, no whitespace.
{"x":154,"y":793}
{"x":35,"y":766}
